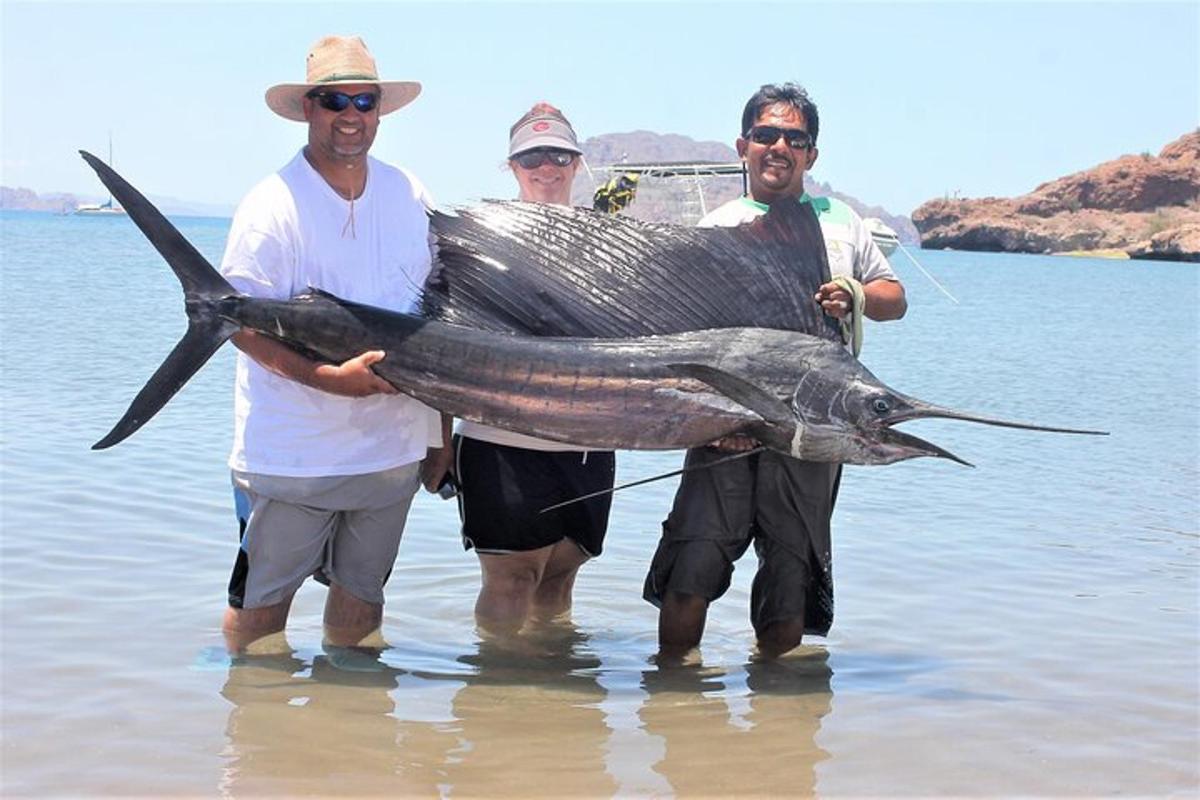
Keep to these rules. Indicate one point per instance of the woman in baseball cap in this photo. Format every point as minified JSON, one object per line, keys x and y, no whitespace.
{"x":544,"y":155}
{"x":529,"y":559}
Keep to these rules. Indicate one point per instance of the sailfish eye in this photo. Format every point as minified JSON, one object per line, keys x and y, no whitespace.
{"x":881,"y":405}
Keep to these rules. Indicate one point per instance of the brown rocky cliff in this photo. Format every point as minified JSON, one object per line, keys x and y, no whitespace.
{"x":1145,"y":205}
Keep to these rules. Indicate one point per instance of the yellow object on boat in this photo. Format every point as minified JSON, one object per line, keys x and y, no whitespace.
{"x":1111,"y":253}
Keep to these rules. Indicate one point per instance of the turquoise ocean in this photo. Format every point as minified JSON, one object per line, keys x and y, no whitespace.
{"x":1028,"y":627}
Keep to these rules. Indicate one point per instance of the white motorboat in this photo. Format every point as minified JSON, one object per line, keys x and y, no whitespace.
{"x":886,"y":238}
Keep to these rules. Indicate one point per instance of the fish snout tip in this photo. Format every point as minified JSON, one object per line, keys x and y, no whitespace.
{"x":946,"y":454}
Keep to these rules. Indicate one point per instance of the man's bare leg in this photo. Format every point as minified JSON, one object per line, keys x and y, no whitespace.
{"x":243,"y":626}
{"x":554,"y":590}
{"x":780,"y":637}
{"x":509,"y":584}
{"x":349,"y":620}
{"x":680,"y":624}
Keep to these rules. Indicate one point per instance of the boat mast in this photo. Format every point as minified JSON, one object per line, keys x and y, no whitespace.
{"x":109,"y":203}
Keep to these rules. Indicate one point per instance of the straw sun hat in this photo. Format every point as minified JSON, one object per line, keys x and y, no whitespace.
{"x":339,"y":61}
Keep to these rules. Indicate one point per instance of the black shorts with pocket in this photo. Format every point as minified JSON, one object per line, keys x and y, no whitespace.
{"x":781,"y":505}
{"x":505,"y":488}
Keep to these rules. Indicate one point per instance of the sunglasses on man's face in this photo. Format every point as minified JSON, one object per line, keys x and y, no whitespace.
{"x":532,"y":159}
{"x":340,"y":101}
{"x":768,"y":135}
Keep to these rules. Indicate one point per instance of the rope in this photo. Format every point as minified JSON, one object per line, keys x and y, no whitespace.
{"x":851,"y":324}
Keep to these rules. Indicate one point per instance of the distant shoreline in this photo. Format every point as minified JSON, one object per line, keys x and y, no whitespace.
{"x":22,"y":199}
{"x":70,"y":213}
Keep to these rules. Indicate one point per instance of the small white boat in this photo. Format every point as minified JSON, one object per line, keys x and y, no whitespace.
{"x":99,"y":209}
{"x":106,"y":209}
{"x":886,"y":238}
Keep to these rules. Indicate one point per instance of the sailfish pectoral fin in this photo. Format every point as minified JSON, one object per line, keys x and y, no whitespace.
{"x":741,"y":391}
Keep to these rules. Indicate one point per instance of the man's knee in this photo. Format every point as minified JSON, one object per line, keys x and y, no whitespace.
{"x":511,"y":575}
{"x":683,"y":607}
{"x":348,"y":603}
{"x":349,"y":619}
{"x":557,"y":585}
{"x":243,"y":626}
{"x":691,"y":567}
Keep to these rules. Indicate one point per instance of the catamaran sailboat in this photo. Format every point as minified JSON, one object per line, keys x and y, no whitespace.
{"x":101,"y":209}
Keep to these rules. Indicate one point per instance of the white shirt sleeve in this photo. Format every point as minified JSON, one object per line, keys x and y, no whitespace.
{"x":870,"y":264}
{"x":259,"y":258}
{"x":419,"y":191}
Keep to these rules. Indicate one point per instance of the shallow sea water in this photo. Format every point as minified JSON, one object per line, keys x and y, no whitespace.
{"x":1028,"y":627}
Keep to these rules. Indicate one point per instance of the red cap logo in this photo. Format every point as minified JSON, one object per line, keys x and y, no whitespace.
{"x":538,"y":127}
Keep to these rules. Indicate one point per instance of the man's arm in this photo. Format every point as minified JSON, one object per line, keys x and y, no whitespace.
{"x":883,"y":300}
{"x":439,"y":460}
{"x":354,"y":378}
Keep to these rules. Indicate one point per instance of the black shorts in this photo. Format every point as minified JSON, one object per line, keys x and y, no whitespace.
{"x":782,"y":505}
{"x":505,"y":488}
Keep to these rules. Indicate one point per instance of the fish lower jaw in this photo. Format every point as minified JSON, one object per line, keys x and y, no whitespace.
{"x":821,"y":443}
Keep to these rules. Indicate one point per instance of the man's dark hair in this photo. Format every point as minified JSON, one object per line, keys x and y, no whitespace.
{"x":790,"y":93}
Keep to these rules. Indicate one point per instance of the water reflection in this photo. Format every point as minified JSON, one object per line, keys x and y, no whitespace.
{"x":530,"y":719}
{"x":517,"y":719}
{"x":325,"y":726}
{"x":713,"y":748}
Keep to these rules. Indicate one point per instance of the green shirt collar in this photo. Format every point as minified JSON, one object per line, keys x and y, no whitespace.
{"x":820,"y":205}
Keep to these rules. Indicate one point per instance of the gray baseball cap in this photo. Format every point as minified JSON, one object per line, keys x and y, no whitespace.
{"x":542,"y":130}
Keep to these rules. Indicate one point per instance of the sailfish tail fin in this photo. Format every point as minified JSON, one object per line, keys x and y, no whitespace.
{"x":203,"y":288}
{"x":202,"y":339}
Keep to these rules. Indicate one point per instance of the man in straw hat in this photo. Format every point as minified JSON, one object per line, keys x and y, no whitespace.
{"x":325,"y":456}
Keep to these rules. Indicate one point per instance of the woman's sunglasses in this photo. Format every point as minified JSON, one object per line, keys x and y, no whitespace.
{"x":532,"y":159}
{"x":768,"y":135}
{"x":340,"y":101}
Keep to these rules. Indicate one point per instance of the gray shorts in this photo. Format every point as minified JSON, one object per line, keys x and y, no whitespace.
{"x":345,"y":529}
{"x":782,"y":505}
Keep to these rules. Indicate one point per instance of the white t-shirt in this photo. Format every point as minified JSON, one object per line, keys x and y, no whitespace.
{"x":292,"y":232}
{"x":851,"y":250}
{"x":486,"y":433}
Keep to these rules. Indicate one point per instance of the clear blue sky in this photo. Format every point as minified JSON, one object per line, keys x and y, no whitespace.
{"x":916,"y":100}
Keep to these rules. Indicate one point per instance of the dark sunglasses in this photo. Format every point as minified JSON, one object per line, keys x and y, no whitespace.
{"x":768,"y":135}
{"x":532,"y":159}
{"x":340,"y":101}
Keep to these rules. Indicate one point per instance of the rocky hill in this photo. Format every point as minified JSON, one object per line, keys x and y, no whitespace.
{"x":66,"y":203}
{"x":30,"y":200}
{"x":1145,"y":206}
{"x":684,"y":200}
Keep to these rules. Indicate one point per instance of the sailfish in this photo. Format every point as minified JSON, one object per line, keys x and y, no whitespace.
{"x":645,"y":344}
